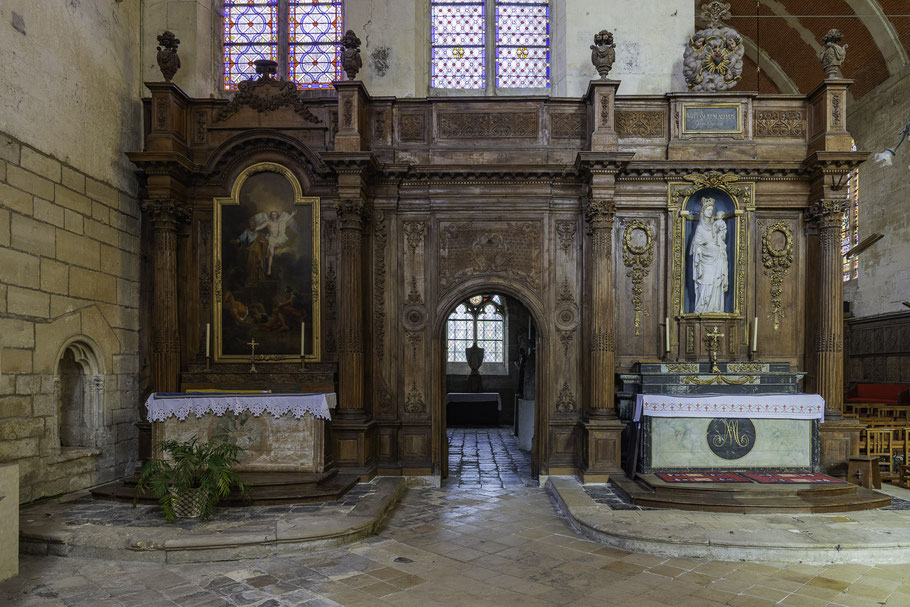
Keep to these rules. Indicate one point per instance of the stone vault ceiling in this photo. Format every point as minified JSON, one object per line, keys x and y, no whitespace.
{"x":784,"y":36}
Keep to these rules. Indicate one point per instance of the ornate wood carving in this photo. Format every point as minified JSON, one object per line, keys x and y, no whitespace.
{"x":380,"y":238}
{"x":472,"y":125}
{"x":412,"y":128}
{"x":835,"y":110}
{"x":567,"y":125}
{"x":640,"y":123}
{"x":200,"y":130}
{"x":605,"y":109}
{"x":347,"y":111}
{"x":566,"y":316}
{"x":777,"y":259}
{"x":266,"y":95}
{"x":565,"y":402}
{"x":780,"y":123}
{"x":413,"y":231}
{"x":637,"y":255}
{"x":330,"y":277}
{"x":415,"y":404}
{"x":565,"y":230}
{"x":510,"y":249}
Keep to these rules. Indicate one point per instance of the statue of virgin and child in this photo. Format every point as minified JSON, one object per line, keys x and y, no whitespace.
{"x":708,"y":252}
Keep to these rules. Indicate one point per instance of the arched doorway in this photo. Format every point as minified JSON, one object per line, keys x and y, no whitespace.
{"x":515,"y":370}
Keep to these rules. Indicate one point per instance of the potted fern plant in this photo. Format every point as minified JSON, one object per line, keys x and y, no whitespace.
{"x":192,"y":478}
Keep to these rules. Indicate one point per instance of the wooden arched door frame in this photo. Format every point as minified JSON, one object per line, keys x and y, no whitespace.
{"x":447,"y":303}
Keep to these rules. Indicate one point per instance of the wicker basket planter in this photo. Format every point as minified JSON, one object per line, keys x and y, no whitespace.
{"x":187,"y":504}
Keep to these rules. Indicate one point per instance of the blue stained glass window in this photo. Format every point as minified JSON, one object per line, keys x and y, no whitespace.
{"x":523,"y":44}
{"x":316,"y":29}
{"x":250,"y":33}
{"x":850,"y":225}
{"x":457,"y":36}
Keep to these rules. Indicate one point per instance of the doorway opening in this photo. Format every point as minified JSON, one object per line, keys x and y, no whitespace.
{"x":490,"y":371}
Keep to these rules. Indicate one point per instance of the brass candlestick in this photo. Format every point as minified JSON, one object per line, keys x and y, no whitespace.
{"x":712,"y":339}
{"x":252,"y":344}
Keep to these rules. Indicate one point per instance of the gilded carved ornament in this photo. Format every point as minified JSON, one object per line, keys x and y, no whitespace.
{"x":637,"y":255}
{"x":777,"y":259}
{"x":719,"y":380}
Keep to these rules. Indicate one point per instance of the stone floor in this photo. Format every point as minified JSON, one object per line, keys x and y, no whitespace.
{"x":493,"y":544}
{"x":487,"y":457}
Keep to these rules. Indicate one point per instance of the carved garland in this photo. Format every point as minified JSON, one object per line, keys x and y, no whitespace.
{"x":266,"y":95}
{"x":565,"y":230}
{"x":565,"y":403}
{"x":638,"y":260}
{"x":777,"y":262}
{"x":566,"y":316}
{"x":379,"y":242}
{"x":415,"y":404}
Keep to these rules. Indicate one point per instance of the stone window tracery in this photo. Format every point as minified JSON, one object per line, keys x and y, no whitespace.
{"x":303,"y":36}
{"x":480,"y":44}
{"x":481,"y":318}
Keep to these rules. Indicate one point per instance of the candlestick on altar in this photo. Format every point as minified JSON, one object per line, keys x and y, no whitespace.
{"x":208,"y":337}
{"x":252,"y":344}
{"x":303,"y":346}
{"x":667,"y":332}
{"x":755,"y":335}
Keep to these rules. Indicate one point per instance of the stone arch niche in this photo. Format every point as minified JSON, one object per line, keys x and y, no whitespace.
{"x":80,"y":395}
{"x":447,"y":303}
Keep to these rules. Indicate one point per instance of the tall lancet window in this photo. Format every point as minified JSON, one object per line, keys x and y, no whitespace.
{"x":485,"y":44}
{"x":482,"y":317}
{"x":850,"y":225}
{"x":303,"y":36}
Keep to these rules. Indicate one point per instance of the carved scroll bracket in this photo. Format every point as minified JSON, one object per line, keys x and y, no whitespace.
{"x":637,"y":255}
{"x":777,"y":257}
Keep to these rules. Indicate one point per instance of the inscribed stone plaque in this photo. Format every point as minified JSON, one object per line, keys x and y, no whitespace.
{"x":712,"y":119}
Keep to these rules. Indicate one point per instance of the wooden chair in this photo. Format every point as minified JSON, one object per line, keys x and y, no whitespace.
{"x":879,"y":443}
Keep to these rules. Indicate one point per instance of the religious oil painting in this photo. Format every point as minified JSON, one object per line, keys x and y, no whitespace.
{"x":267,"y":268}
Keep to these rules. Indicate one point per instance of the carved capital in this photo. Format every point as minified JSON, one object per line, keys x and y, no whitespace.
{"x":600,"y":212}
{"x":827,"y":213}
{"x":352,"y":213}
{"x":165,"y":214}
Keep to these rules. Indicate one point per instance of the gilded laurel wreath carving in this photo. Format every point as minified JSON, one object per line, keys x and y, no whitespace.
{"x":777,"y":257}
{"x":637,"y":255}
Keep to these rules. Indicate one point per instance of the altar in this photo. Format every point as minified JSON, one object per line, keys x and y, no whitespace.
{"x":768,"y":432}
{"x":279,"y":432}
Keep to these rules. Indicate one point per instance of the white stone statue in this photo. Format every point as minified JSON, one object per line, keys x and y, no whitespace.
{"x":709,"y":260}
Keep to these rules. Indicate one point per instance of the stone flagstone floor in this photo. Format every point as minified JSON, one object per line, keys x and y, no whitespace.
{"x":459,"y":545}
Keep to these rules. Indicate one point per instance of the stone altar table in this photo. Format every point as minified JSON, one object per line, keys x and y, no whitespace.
{"x":280,"y":432}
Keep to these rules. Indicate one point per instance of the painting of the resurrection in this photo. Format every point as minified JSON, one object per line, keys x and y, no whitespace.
{"x":710,"y":253}
{"x":267,"y":247}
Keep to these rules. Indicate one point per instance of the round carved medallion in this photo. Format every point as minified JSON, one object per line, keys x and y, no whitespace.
{"x":414,"y":317}
{"x":566,"y":316}
{"x":731,"y":438}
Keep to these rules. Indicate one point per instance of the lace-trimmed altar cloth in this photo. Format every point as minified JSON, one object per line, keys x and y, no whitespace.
{"x":775,"y":406}
{"x":162,"y":405}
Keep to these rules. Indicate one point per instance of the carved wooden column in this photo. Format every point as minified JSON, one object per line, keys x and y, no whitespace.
{"x":603,"y":430}
{"x":164,"y":216}
{"x":350,"y":305}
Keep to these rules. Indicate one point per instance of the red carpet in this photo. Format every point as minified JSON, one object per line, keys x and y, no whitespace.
{"x":773,"y":478}
{"x":701,"y":477}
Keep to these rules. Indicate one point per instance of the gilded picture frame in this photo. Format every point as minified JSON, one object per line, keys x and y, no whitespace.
{"x":266,"y":253}
{"x":682,"y":196}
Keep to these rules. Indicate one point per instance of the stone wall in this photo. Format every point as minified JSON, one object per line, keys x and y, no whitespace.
{"x":884,"y":273}
{"x":69,"y":238}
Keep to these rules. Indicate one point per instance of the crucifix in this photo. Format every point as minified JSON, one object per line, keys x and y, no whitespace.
{"x":252,"y":344}
{"x":712,"y":339}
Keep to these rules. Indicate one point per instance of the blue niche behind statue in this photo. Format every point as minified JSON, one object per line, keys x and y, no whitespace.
{"x":710,"y":253}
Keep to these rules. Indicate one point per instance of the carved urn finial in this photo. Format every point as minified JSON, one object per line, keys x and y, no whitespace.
{"x":715,"y":12}
{"x":350,"y":54}
{"x":833,"y":54}
{"x":603,"y":53}
{"x":266,"y":68}
{"x":168,"y":61}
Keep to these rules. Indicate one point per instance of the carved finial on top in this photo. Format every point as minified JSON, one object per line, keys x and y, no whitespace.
{"x":266,"y":68}
{"x":715,"y":12}
{"x":603,"y":53}
{"x":350,"y":54}
{"x":833,"y":54}
{"x":168,"y":61}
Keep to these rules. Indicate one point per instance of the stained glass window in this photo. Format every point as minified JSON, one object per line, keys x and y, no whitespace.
{"x":850,"y":225}
{"x":458,"y":38}
{"x":481,"y":317}
{"x":523,"y":43}
{"x":315,"y":28}
{"x":250,"y":33}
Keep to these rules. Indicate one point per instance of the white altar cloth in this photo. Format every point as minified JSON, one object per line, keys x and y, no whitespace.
{"x":474,"y":397}
{"x":164,"y":405}
{"x":773,"y":406}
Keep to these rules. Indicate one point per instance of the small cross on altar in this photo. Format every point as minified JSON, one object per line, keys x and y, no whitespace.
{"x":252,"y":344}
{"x":712,"y":339}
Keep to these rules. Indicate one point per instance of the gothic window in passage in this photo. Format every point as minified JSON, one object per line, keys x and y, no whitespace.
{"x":850,"y":225}
{"x":303,"y":36}
{"x":504,"y":41}
{"x":482,"y":319}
